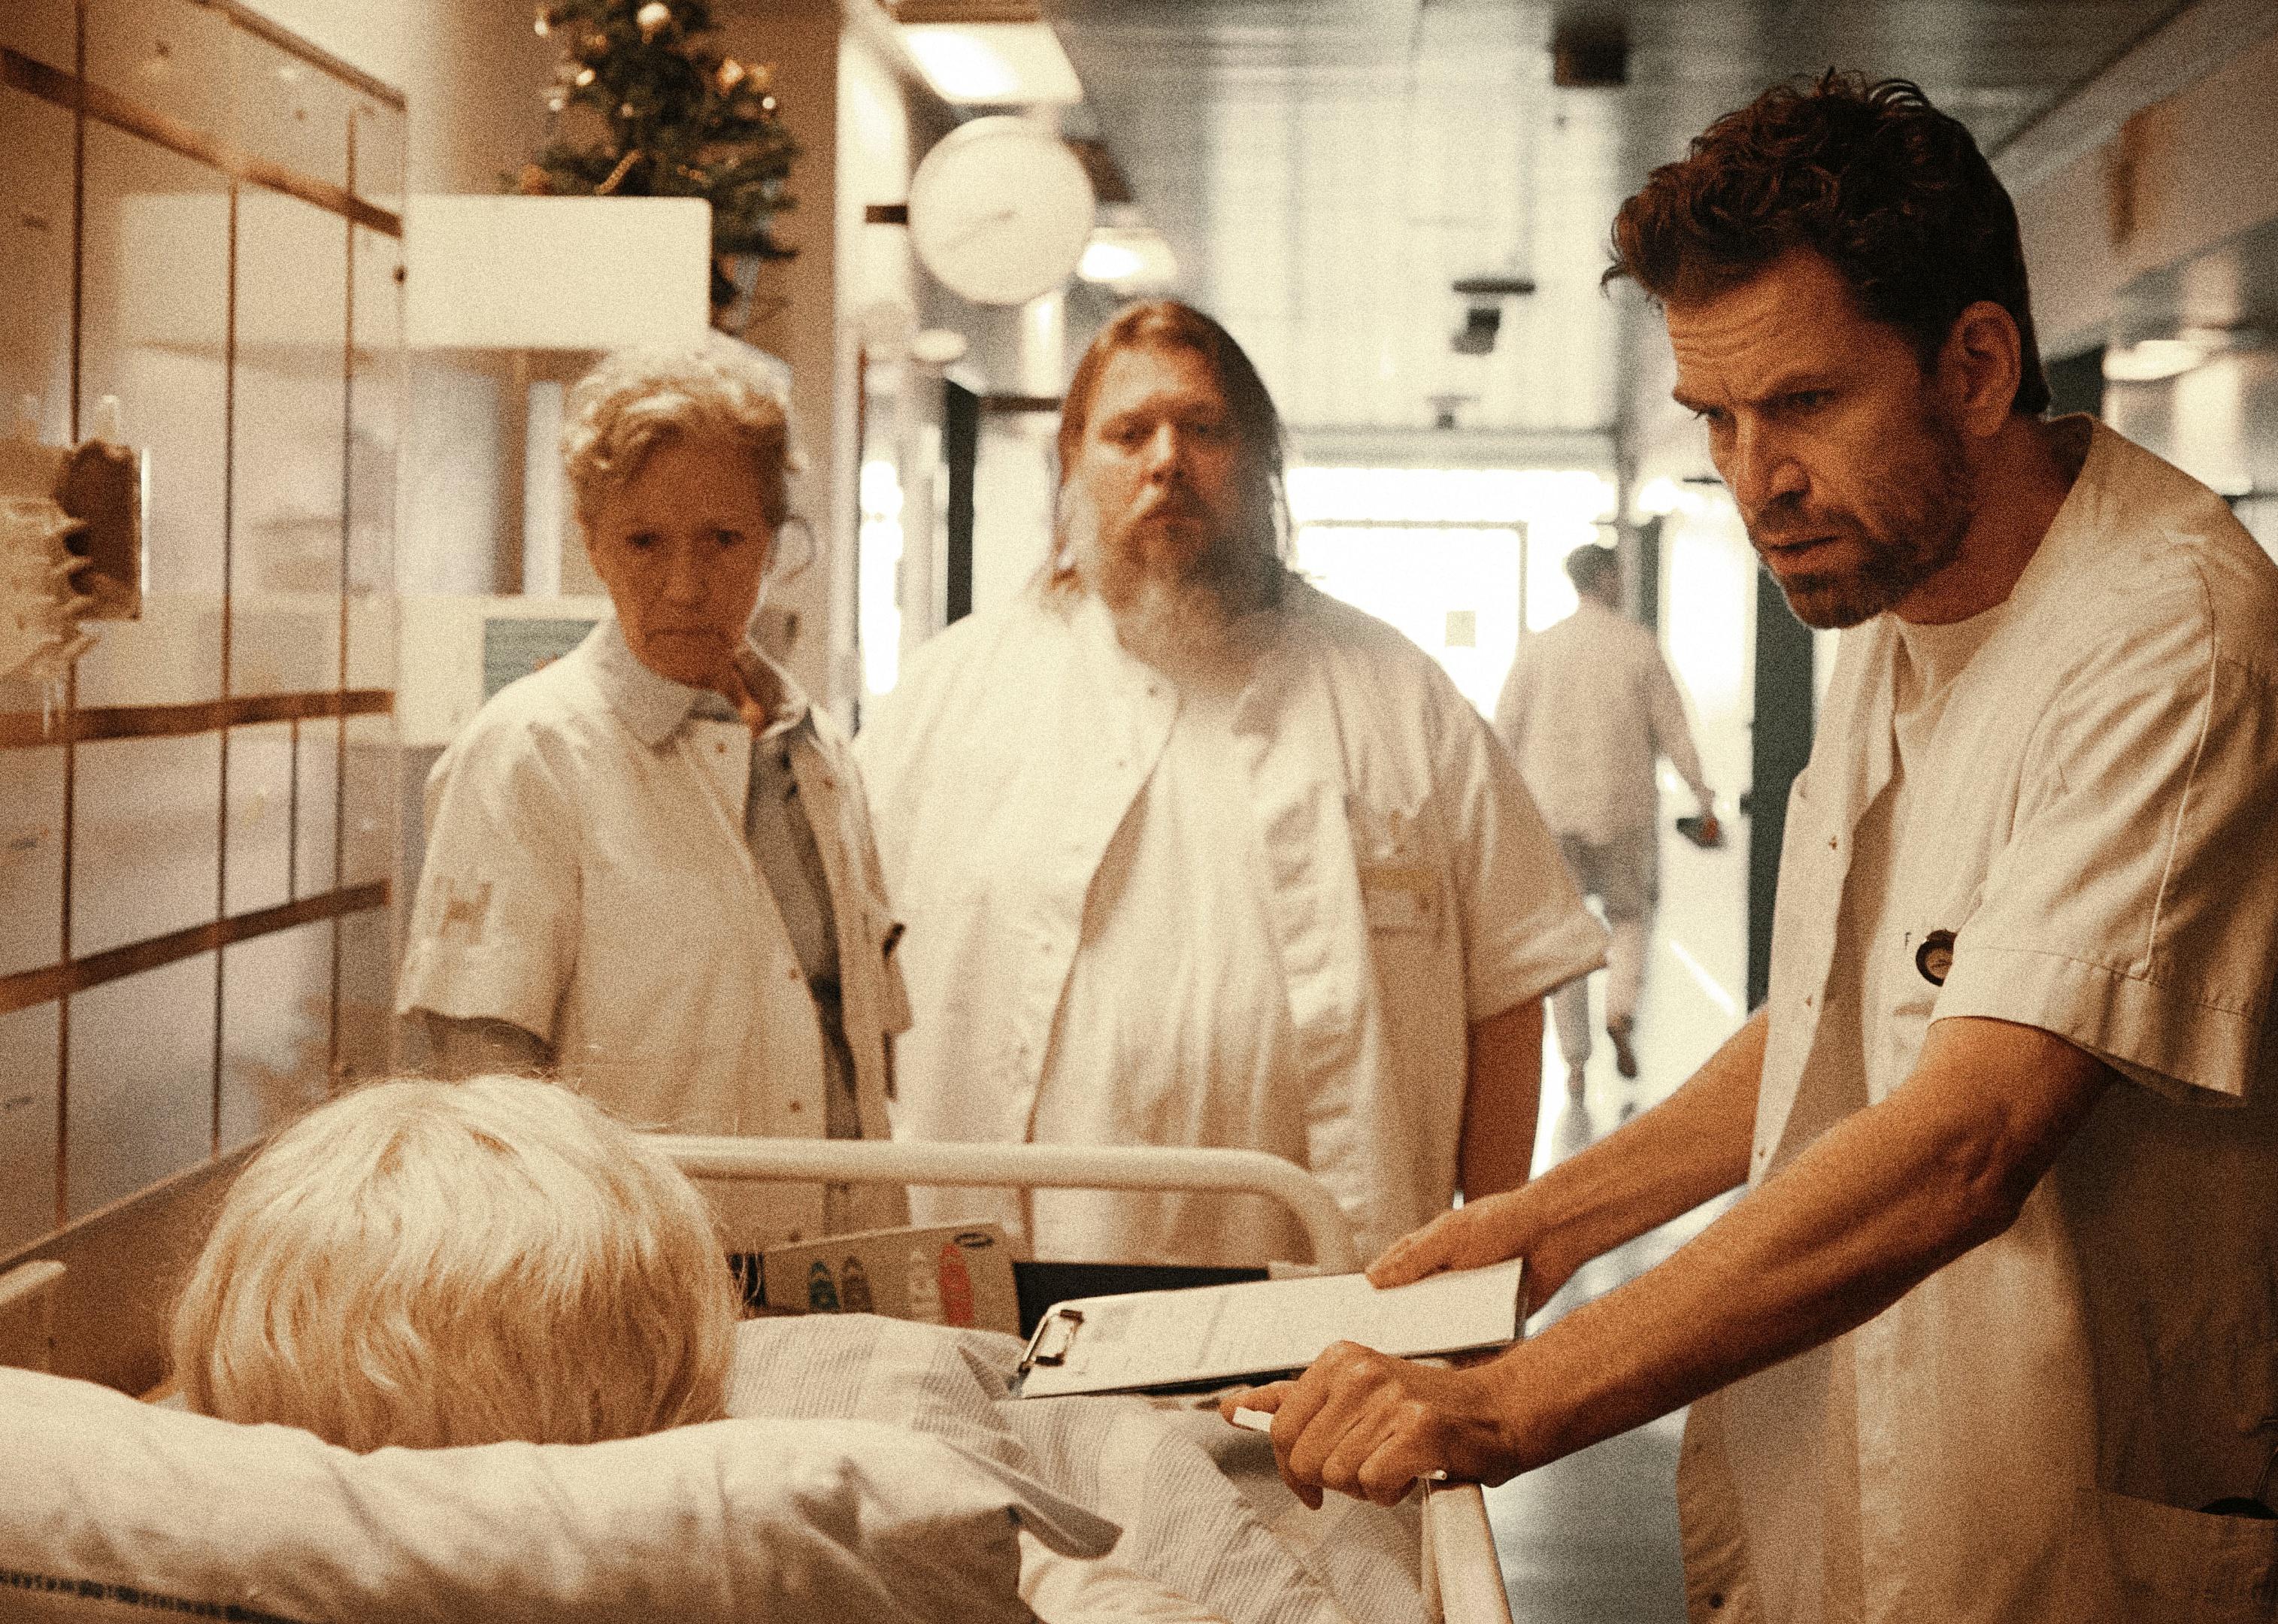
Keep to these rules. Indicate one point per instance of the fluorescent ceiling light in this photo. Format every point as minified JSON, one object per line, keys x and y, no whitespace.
{"x":1124,"y":256}
{"x":2148,"y":360}
{"x":1659,"y":497}
{"x":994,"y":65}
{"x":1110,"y":262}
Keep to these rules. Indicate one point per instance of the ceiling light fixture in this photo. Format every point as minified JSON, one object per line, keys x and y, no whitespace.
{"x":994,"y":65}
{"x":1127,"y":258}
{"x":2152,"y":359}
{"x":1106,"y":260}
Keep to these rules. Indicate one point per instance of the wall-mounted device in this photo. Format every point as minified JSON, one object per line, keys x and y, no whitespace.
{"x":1589,"y":53}
{"x":71,"y":543}
{"x":1483,"y":297}
{"x":1444,"y":408}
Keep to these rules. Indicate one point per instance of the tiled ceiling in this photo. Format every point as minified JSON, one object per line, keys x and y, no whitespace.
{"x":1324,"y":169}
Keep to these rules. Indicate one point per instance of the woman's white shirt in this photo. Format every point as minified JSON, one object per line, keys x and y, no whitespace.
{"x":587,"y":879}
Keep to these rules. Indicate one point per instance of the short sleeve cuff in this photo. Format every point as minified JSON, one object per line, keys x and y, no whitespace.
{"x":482,"y":983}
{"x":2155,"y":1035}
{"x":1539,"y":956}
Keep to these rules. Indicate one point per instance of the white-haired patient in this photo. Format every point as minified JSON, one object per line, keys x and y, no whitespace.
{"x":435,"y":1264}
{"x":441,"y":1264}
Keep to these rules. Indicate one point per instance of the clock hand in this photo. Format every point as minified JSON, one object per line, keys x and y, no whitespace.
{"x":996,"y":218}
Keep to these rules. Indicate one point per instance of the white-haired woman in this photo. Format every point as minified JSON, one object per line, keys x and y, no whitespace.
{"x":434,"y":1264}
{"x":650,"y":870}
{"x":430,"y":1265}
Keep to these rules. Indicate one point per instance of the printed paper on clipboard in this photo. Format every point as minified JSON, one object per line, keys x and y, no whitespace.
{"x":1257,"y":1328}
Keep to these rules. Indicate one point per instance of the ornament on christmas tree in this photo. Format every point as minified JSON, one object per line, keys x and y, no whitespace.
{"x":643,"y":104}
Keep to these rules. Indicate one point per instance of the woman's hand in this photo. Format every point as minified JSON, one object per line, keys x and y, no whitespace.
{"x":1368,"y":1425}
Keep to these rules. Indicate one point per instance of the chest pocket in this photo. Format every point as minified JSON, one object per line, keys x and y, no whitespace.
{"x":1402,"y":890}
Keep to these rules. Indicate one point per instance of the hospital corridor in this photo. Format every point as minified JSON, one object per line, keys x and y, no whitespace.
{"x":1594,"y":1537}
{"x":1139,"y":811}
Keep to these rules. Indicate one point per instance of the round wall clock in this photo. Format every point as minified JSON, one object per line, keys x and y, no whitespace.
{"x":1000,"y":210}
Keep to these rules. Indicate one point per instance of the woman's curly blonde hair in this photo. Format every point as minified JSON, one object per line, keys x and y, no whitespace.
{"x":636,"y":399}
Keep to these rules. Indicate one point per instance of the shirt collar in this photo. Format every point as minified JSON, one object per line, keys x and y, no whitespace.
{"x":654,"y":707}
{"x":2087,"y":511}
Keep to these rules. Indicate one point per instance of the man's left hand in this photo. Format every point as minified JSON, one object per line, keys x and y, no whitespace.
{"x":1368,"y":1425}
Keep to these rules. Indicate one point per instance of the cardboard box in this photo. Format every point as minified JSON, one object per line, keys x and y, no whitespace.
{"x":954,"y":1274}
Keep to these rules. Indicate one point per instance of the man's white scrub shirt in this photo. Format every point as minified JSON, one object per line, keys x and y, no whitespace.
{"x":2060,"y":815}
{"x":1391,"y":883}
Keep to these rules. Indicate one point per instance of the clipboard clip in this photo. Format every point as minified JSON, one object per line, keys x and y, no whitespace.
{"x":1055,"y":1337}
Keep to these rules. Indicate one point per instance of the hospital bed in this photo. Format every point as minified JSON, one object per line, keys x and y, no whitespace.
{"x":1461,"y":1576}
{"x":111,"y":1509}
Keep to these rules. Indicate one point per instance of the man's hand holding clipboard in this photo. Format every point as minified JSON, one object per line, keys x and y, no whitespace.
{"x":1369,"y":1425}
{"x":1372,"y":1426}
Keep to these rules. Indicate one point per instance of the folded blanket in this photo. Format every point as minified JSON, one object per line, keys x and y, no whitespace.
{"x":1202,"y":1510}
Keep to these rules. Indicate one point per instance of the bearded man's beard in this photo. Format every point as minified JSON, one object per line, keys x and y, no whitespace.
{"x":1173,"y":605}
{"x":1907,"y":528}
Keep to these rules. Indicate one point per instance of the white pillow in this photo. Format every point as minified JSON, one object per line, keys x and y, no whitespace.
{"x":112,"y":1510}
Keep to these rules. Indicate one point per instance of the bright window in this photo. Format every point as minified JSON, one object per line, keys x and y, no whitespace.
{"x":1455,"y":558}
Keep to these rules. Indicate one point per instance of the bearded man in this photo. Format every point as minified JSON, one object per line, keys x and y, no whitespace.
{"x":1192,"y":854}
{"x":1992,"y":1335}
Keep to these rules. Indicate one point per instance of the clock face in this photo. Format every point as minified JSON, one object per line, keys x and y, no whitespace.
{"x":1000,"y":210}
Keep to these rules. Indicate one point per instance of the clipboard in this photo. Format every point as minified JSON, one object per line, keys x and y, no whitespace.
{"x":1204,"y":1336}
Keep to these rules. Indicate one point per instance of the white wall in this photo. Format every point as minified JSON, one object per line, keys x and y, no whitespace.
{"x":473,"y":72}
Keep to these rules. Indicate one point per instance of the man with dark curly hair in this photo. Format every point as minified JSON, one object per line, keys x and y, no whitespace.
{"x":1992,"y":1334}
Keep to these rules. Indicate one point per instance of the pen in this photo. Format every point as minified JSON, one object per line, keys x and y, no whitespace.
{"x":1262,"y":1420}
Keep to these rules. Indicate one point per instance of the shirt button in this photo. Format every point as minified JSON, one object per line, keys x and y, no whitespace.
{"x":1808,"y":998}
{"x":721,"y":748}
{"x":795,"y":1236}
{"x":796,"y":1108}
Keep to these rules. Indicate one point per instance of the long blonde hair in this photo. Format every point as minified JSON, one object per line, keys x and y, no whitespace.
{"x":434,"y":1264}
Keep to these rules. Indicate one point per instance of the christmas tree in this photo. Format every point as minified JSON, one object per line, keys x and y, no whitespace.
{"x":645,"y":105}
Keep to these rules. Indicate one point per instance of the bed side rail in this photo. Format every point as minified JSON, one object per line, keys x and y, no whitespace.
{"x":1058,"y":1166}
{"x":1462,"y":1576}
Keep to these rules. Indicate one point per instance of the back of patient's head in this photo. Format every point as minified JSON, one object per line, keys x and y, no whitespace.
{"x":434,"y":1264}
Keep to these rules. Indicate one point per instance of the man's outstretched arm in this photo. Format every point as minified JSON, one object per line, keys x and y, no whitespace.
{"x":1691,"y":1146}
{"x":1882,"y":1201}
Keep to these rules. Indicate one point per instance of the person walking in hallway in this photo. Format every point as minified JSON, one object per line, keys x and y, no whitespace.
{"x":1588,"y":708}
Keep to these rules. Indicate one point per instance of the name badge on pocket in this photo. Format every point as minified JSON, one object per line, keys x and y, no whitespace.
{"x":1935,"y":957}
{"x":1399,"y":897}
